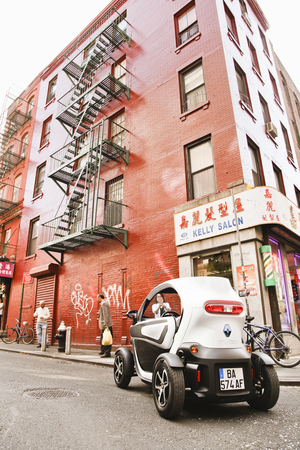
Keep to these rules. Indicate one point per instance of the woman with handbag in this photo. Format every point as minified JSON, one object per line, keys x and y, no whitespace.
{"x":105,"y":325}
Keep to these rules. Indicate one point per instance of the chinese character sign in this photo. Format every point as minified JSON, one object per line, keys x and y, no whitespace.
{"x":7,"y":269}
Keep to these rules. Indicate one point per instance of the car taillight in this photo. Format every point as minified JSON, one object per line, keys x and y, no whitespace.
{"x":224,"y":308}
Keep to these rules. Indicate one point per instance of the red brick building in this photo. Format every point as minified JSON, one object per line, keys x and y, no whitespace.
{"x":141,"y":117}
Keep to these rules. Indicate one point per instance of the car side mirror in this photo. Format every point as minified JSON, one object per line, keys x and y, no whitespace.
{"x":132,"y":315}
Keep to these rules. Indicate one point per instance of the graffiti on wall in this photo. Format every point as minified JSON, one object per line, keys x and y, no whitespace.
{"x":115,"y":296}
{"x":83,"y":304}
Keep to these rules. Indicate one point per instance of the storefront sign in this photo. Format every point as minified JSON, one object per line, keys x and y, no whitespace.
{"x":259,"y":206}
{"x":250,"y":280}
{"x":7,"y":269}
{"x":27,"y":277}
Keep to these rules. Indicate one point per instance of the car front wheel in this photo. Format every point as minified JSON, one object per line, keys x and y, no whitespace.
{"x":121,"y":380}
{"x":168,"y":389}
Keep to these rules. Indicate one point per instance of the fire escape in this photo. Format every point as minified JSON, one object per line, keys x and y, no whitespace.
{"x":75,"y":168}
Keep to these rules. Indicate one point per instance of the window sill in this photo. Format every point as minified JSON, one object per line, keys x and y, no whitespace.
{"x":44,"y":146}
{"x":30,"y":257}
{"x":269,"y":136}
{"x":277,"y":101}
{"x":248,"y":110}
{"x":196,"y":37}
{"x":234,"y":40}
{"x":203,"y":105}
{"x":36,"y":197}
{"x":268,"y":56}
{"x":49,"y":103}
{"x":254,"y":69}
{"x":292,"y":162}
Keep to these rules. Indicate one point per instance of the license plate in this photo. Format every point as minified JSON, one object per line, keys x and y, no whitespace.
{"x":231,"y":379}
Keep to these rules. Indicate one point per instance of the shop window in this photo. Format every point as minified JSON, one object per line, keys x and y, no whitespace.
{"x":278,"y":179}
{"x":264,"y":42}
{"x":192,"y":87}
{"x":287,"y":143}
{"x":256,"y":165}
{"x":243,"y":86}
{"x":17,"y":187}
{"x":214,"y":265}
{"x":231,"y":25}
{"x":200,"y":169}
{"x":113,"y":202}
{"x":30,"y":106}
{"x":24,"y":142}
{"x":186,"y":24}
{"x":254,"y":59}
{"x":6,"y":241}
{"x":119,"y":70}
{"x":45,"y":138}
{"x":51,"y":90}
{"x":275,"y":89}
{"x":40,"y":179}
{"x":33,"y":237}
{"x":117,"y":130}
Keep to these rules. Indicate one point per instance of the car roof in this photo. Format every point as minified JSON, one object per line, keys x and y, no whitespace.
{"x":195,"y":291}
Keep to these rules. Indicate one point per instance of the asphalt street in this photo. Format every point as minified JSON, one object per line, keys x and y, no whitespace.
{"x":49,"y":403}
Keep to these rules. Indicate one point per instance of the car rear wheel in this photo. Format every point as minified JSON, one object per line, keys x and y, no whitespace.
{"x":168,"y":389}
{"x":266,"y":389}
{"x":121,"y":380}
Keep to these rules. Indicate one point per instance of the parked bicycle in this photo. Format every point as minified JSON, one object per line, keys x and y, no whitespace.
{"x":10,"y":335}
{"x":283,"y":347}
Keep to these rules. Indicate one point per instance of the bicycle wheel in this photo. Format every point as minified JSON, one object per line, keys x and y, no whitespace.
{"x":10,"y":336}
{"x":261,"y":337}
{"x":285,"y":349}
{"x":28,"y":336}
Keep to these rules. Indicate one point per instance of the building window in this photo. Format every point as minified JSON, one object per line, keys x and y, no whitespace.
{"x":51,"y":90}
{"x":3,"y":193}
{"x":254,"y":58}
{"x":6,"y":241}
{"x":87,"y":51}
{"x":39,"y":181}
{"x":265,"y":109}
{"x":24,"y":142}
{"x":256,"y":165}
{"x":113,"y":202}
{"x":33,"y":237}
{"x":243,"y":86}
{"x":186,"y":24}
{"x":297,"y":104}
{"x":297,"y":192}
{"x":117,"y":131}
{"x":46,"y":131}
{"x":264,"y":43}
{"x":121,"y":21}
{"x":287,"y":142}
{"x":243,"y":6}
{"x":278,"y":179}
{"x":192,"y":87}
{"x":231,"y":25}
{"x":119,"y":71}
{"x":275,"y":89}
{"x":17,"y":187}
{"x":200,"y":169}
{"x":30,"y":106}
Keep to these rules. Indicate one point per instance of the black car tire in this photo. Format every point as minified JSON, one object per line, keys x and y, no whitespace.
{"x":168,"y":389}
{"x":121,"y":380}
{"x":267,"y":389}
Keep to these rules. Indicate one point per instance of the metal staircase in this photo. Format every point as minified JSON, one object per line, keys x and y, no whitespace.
{"x":75,"y":168}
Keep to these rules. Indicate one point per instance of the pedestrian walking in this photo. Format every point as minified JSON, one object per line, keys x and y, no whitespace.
{"x":105,"y":321}
{"x":42,"y":313}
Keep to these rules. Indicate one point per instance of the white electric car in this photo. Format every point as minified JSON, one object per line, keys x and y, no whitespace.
{"x":196,"y":346}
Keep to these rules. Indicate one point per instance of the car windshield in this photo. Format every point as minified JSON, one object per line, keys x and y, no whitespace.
{"x":168,"y":301}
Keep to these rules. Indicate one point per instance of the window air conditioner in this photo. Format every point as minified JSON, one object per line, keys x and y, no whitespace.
{"x":246,"y":19}
{"x":271,"y":129}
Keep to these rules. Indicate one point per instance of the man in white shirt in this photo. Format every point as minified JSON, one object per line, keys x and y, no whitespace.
{"x":42,"y":313}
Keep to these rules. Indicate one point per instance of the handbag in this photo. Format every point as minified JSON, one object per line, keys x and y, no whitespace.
{"x":107,"y":337}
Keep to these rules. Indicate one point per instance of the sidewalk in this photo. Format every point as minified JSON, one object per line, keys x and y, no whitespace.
{"x":287,"y":376}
